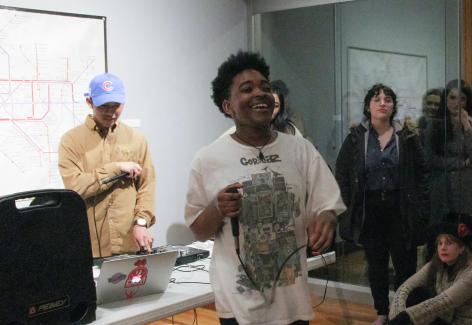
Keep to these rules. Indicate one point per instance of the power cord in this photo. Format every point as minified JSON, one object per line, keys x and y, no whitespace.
{"x":192,"y":268}
{"x":279,"y":271}
{"x":174,"y":280}
{"x":195,"y":318}
{"x":98,"y":233}
{"x":100,"y":182}
{"x":95,"y":223}
{"x":325,"y":265}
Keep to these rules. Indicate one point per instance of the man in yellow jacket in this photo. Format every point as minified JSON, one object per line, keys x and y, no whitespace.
{"x":109,"y":165}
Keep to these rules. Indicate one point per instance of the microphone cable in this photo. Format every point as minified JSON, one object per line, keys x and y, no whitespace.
{"x":104,"y":181}
{"x":279,"y":272}
{"x":325,"y":265}
{"x":95,"y":223}
{"x":235,"y":232}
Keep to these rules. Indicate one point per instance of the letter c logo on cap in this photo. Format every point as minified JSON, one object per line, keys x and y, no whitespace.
{"x":107,"y":85}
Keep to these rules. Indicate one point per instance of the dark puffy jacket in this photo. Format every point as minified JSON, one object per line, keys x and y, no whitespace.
{"x":413,"y":211}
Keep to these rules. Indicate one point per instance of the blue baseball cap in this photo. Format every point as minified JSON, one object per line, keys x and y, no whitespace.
{"x":106,"y":88}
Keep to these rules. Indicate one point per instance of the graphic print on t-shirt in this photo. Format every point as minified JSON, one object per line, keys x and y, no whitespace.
{"x":267,"y":221}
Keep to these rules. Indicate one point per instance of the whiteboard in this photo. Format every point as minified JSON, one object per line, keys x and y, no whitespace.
{"x":406,"y":74}
{"x":46,"y":62}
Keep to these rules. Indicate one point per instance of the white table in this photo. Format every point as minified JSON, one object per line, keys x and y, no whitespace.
{"x":176,"y":299}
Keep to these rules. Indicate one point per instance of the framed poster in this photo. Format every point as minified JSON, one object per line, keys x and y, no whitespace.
{"x":406,"y":74}
{"x":46,"y":62}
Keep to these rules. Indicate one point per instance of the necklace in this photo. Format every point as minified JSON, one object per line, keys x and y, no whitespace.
{"x":260,"y":155}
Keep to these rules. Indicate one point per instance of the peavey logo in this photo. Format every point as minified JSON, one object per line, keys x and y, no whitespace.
{"x":256,"y":161}
{"x":48,"y":306}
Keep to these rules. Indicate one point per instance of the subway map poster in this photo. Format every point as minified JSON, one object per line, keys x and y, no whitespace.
{"x":46,"y":62}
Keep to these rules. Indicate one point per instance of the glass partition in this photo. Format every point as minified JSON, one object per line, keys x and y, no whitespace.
{"x":329,"y":55}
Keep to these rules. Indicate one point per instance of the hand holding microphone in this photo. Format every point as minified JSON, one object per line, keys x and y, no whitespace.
{"x":128,"y":169}
{"x":229,"y":205}
{"x":228,"y":201}
{"x":111,"y":179}
{"x":133,"y":169}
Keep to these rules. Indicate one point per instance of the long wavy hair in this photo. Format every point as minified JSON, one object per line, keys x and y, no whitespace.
{"x":281,"y":122}
{"x":442,"y":132}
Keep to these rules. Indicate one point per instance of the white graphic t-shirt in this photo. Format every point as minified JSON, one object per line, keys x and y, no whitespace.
{"x":281,"y":193}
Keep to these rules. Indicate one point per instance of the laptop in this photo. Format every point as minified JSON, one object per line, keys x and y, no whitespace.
{"x":126,"y":277}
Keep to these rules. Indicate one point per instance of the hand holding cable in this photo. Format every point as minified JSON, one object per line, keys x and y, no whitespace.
{"x":321,"y":231}
{"x":132,"y":168}
{"x":228,"y":201}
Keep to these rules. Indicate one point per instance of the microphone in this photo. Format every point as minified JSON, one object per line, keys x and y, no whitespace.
{"x":235,"y":223}
{"x":110,"y":179}
{"x":235,"y":230}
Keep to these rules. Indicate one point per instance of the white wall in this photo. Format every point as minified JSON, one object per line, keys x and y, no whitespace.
{"x":167,"y":53}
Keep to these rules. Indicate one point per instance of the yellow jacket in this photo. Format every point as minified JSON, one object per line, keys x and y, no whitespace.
{"x":85,"y":158}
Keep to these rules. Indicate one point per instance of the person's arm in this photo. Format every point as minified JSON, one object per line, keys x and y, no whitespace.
{"x":419,"y":279}
{"x":87,"y":183}
{"x":210,"y":220}
{"x":145,"y":198}
{"x":321,"y":231}
{"x":445,"y":302}
{"x":145,"y":187}
{"x":344,"y":164}
{"x":205,"y":209}
{"x":324,"y":201}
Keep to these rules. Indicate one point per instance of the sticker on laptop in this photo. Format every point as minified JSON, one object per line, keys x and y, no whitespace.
{"x":136,"y":278}
{"x":117,"y":278}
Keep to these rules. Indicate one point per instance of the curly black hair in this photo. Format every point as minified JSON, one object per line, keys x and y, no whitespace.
{"x":233,"y":65}
{"x":375,"y":91}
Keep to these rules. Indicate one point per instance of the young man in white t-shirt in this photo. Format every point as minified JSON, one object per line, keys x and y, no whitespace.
{"x":281,"y":186}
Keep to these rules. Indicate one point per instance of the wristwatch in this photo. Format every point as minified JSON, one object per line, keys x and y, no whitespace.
{"x":141,"y":222}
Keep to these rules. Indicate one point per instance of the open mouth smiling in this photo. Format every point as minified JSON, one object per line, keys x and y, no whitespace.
{"x":260,"y":106}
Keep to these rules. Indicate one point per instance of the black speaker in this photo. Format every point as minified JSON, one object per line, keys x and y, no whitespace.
{"x":46,"y":259}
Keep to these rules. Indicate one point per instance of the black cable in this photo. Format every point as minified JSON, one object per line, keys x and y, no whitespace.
{"x":247,"y":274}
{"x":95,"y":222}
{"x":326,"y":283}
{"x":98,"y":233}
{"x":173,"y":280}
{"x":199,"y":267}
{"x":279,"y":271}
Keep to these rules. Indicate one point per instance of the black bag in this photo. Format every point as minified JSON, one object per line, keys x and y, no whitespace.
{"x":46,"y":265}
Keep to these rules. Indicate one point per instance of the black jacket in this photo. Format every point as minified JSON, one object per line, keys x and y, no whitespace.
{"x":413,"y":211}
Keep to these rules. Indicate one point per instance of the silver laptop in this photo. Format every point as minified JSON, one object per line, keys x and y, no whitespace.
{"x":126,"y":277}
